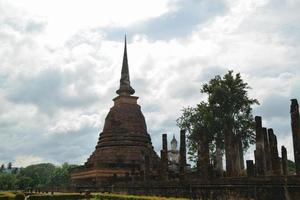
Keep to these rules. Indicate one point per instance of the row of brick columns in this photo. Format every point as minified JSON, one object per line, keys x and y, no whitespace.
{"x":203,"y":157}
{"x":266,"y":156}
{"x":267,"y":161}
{"x":182,"y":157}
{"x":266,"y":153}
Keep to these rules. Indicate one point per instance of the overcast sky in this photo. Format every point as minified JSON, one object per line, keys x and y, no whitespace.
{"x":60,"y":64}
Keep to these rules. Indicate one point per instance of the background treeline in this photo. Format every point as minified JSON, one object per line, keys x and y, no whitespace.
{"x":35,"y":176}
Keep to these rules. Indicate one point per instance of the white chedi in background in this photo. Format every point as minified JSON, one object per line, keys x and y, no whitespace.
{"x":173,"y":156}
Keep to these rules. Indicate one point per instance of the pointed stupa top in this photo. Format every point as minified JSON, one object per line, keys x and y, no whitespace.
{"x":174,"y":139}
{"x":125,"y":88}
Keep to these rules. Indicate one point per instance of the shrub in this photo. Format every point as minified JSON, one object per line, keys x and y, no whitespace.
{"x":20,"y":196}
{"x":99,"y":196}
{"x":104,"y":196}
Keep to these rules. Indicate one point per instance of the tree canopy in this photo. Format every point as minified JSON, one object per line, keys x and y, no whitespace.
{"x":227,"y":104}
{"x":36,"y":176}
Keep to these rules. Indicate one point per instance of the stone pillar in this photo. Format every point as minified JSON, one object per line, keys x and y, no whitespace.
{"x":260,"y":152}
{"x":276,"y":169}
{"x":219,"y":161}
{"x":164,"y":142}
{"x":230,"y":151}
{"x":295,"y":122}
{"x":203,"y":156}
{"x":219,"y":158}
{"x":241,"y":154}
{"x":284,"y":161}
{"x":250,"y":168}
{"x":182,"y":155}
{"x":255,"y":165}
{"x":267,"y":151}
{"x":236,"y":163}
{"x":164,"y":158}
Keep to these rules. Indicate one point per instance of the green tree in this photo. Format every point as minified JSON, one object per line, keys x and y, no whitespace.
{"x":9,"y":165}
{"x":2,"y":168}
{"x":60,"y":176}
{"x":36,"y":175}
{"x":195,"y":121}
{"x":25,"y":182}
{"x":7,"y":181}
{"x":226,"y":117}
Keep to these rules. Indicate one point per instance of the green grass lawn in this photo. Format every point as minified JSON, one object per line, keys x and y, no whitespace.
{"x":7,"y":195}
{"x":105,"y":196}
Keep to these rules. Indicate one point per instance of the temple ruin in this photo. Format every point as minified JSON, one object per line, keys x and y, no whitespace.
{"x":124,"y":149}
{"x":124,"y":159}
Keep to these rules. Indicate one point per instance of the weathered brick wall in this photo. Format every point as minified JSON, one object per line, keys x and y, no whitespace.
{"x":271,"y":188}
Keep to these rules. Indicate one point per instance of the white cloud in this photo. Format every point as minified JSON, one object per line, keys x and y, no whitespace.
{"x":59,"y":71}
{"x":66,"y":17}
{"x":25,"y":160}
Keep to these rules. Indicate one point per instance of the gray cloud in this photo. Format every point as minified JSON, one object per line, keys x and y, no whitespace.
{"x":47,"y":90}
{"x":179,"y":23}
{"x":274,"y":106}
{"x":72,"y":147}
{"x":54,"y":99}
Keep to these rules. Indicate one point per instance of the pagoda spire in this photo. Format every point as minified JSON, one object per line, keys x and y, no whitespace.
{"x":125,"y":88}
{"x":174,"y":139}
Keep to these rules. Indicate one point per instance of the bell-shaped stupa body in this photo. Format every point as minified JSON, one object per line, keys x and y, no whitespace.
{"x":124,"y":148}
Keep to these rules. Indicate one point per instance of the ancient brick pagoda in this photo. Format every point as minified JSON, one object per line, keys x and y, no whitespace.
{"x":124,"y":159}
{"x":124,"y":149}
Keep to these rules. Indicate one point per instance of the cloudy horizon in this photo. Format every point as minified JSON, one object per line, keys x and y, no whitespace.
{"x":60,"y":65}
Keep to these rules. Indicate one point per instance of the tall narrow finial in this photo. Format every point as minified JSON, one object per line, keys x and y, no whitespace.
{"x":125,"y":88}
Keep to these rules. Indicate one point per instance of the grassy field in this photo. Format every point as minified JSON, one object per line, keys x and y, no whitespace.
{"x":131,"y":197}
{"x":7,"y":195}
